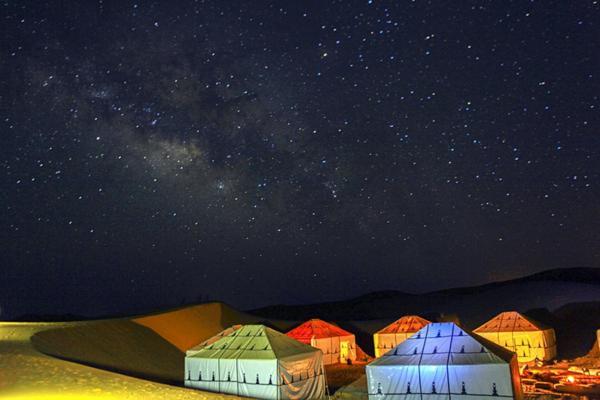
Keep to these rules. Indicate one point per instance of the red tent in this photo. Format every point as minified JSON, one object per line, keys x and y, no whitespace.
{"x":337,"y":344}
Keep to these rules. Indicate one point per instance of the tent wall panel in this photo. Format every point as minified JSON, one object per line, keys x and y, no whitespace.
{"x":302,"y":378}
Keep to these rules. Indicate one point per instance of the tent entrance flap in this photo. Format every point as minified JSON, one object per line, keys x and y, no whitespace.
{"x":344,"y":351}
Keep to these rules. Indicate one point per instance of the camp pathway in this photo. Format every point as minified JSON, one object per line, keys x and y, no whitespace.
{"x":26,"y":373}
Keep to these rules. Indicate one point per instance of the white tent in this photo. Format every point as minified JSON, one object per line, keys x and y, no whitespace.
{"x":337,"y":344}
{"x":256,"y":361}
{"x":515,"y":332}
{"x":396,"y":333}
{"x":443,"y":361}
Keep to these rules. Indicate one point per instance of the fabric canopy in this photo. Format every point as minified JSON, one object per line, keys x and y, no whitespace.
{"x":337,"y":344}
{"x":397,"y":332}
{"x":195,"y":349}
{"x":515,"y":332}
{"x":256,"y":361}
{"x":443,"y":361}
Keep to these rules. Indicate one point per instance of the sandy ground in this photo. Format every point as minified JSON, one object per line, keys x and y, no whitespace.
{"x":27,"y":374}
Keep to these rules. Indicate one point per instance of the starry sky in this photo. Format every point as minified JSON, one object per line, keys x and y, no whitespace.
{"x":262,"y":152}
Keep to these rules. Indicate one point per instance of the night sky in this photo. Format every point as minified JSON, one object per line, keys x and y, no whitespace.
{"x":261,"y":152}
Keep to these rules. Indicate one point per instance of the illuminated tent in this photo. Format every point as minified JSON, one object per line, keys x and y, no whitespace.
{"x":336,"y":344}
{"x":256,"y":361}
{"x":396,"y":333}
{"x":529,"y":339}
{"x":443,"y":361}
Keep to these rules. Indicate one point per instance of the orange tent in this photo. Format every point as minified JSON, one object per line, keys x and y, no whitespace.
{"x":336,"y":344}
{"x":396,"y":333}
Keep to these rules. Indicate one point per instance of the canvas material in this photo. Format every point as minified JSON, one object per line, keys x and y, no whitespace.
{"x":528,"y":339}
{"x":195,"y":349}
{"x":331,"y":348}
{"x":439,"y":358}
{"x":316,"y":329}
{"x":397,"y":332}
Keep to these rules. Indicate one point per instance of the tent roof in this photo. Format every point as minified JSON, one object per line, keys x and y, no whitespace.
{"x":318,"y":329}
{"x":253,"y":342}
{"x":444,"y":343}
{"x":406,"y":324}
{"x":213,"y":339}
{"x":510,"y":321}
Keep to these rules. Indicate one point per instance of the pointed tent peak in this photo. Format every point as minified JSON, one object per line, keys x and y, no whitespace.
{"x":432,"y":341}
{"x":405,"y":324}
{"x":510,"y":321}
{"x":317,"y":329}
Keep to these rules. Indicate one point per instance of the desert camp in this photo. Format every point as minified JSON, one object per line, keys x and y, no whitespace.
{"x":337,"y":345}
{"x":395,"y":333}
{"x":528,"y":339}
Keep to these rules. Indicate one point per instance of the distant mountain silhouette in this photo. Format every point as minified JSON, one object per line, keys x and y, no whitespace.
{"x":567,"y":299}
{"x":549,"y":289}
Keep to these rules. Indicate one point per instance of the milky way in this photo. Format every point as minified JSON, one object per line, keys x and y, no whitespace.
{"x":282,"y":152}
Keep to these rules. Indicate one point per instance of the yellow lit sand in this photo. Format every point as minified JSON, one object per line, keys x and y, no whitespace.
{"x":26,"y":373}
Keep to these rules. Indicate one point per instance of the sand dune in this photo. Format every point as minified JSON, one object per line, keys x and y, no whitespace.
{"x":116,"y":345}
{"x":42,"y":360}
{"x":186,"y":327}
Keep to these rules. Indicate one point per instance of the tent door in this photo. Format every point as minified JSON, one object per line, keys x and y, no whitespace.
{"x":344,"y":351}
